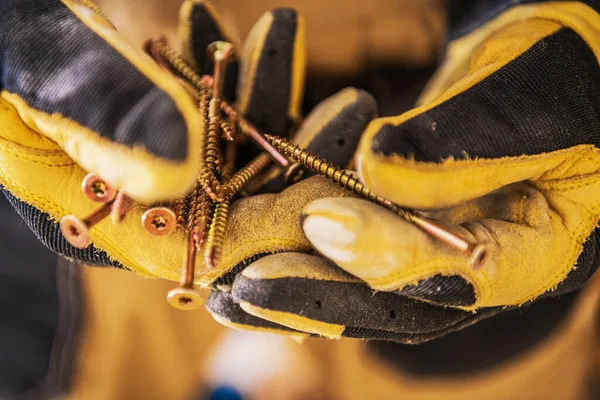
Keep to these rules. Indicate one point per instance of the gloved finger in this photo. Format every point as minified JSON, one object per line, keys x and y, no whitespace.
{"x":199,"y":26}
{"x":332,"y":131}
{"x":271,"y":81}
{"x":72,"y":79}
{"x":503,"y":122}
{"x":530,"y":248}
{"x":265,"y":224}
{"x":228,"y":313}
{"x":310,"y":294}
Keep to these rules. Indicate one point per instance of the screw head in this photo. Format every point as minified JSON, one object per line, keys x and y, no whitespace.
{"x":183,"y":298}
{"x":159,"y":221}
{"x":97,"y":190}
{"x":75,"y":231}
{"x":220,"y":50}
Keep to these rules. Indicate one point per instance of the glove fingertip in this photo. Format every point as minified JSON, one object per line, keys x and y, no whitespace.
{"x":271,"y":82}
{"x":227,"y":312}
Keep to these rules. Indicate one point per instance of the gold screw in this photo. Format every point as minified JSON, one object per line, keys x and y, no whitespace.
{"x":474,"y":250}
{"x":185,"y":296}
{"x":166,"y":55}
{"x":199,"y":217}
{"x":216,"y":234}
{"x":220,"y":52}
{"x":249,"y":130}
{"x":97,"y":190}
{"x":229,"y":131}
{"x":242,"y":177}
{"x":159,"y":221}
{"x":76,"y":231}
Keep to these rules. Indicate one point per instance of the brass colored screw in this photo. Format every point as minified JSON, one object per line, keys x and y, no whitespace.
{"x":229,"y":130}
{"x":208,"y":159}
{"x":216,"y":234}
{"x":181,"y":208}
{"x":97,"y":190}
{"x":213,"y":155}
{"x":76,"y":231}
{"x":474,"y":250}
{"x":242,"y":177}
{"x":159,"y":221}
{"x":249,"y":130}
{"x":220,"y":52}
{"x":199,"y":216}
{"x":185,"y":297}
{"x":169,"y":56}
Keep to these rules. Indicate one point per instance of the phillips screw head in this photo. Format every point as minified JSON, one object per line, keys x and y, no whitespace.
{"x":97,"y":190}
{"x":75,"y":231}
{"x":159,"y":221}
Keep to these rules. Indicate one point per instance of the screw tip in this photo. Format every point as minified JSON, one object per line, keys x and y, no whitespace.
{"x":211,"y":257}
{"x":294,"y":173}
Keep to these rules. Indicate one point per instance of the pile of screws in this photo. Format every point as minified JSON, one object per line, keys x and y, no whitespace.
{"x":203,"y":213}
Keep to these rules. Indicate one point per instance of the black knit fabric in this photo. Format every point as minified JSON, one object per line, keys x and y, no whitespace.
{"x":544,"y":100}
{"x":222,"y":304}
{"x":269,"y":103}
{"x":353,"y":305}
{"x":58,"y":65}
{"x":483,"y":345}
{"x":228,"y":277}
{"x":444,"y":290}
{"x":204,"y":30}
{"x":48,"y":232}
{"x":467,"y":15}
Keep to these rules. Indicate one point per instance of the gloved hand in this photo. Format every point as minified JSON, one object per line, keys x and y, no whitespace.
{"x":77,"y":98}
{"x":506,"y":146}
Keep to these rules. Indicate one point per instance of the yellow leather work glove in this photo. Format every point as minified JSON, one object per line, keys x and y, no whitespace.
{"x":505,"y":145}
{"x":76,"y":98}
{"x":123,"y":116}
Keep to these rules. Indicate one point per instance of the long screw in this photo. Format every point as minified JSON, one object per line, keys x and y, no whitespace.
{"x":220,"y":52}
{"x":216,"y":234}
{"x":199,"y":218}
{"x":76,"y":231}
{"x":474,"y":250}
{"x":170,"y":57}
{"x":242,"y":177}
{"x":249,"y":130}
{"x":185,"y":296}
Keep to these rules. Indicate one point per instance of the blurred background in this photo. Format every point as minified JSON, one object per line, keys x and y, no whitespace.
{"x":100,"y":333}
